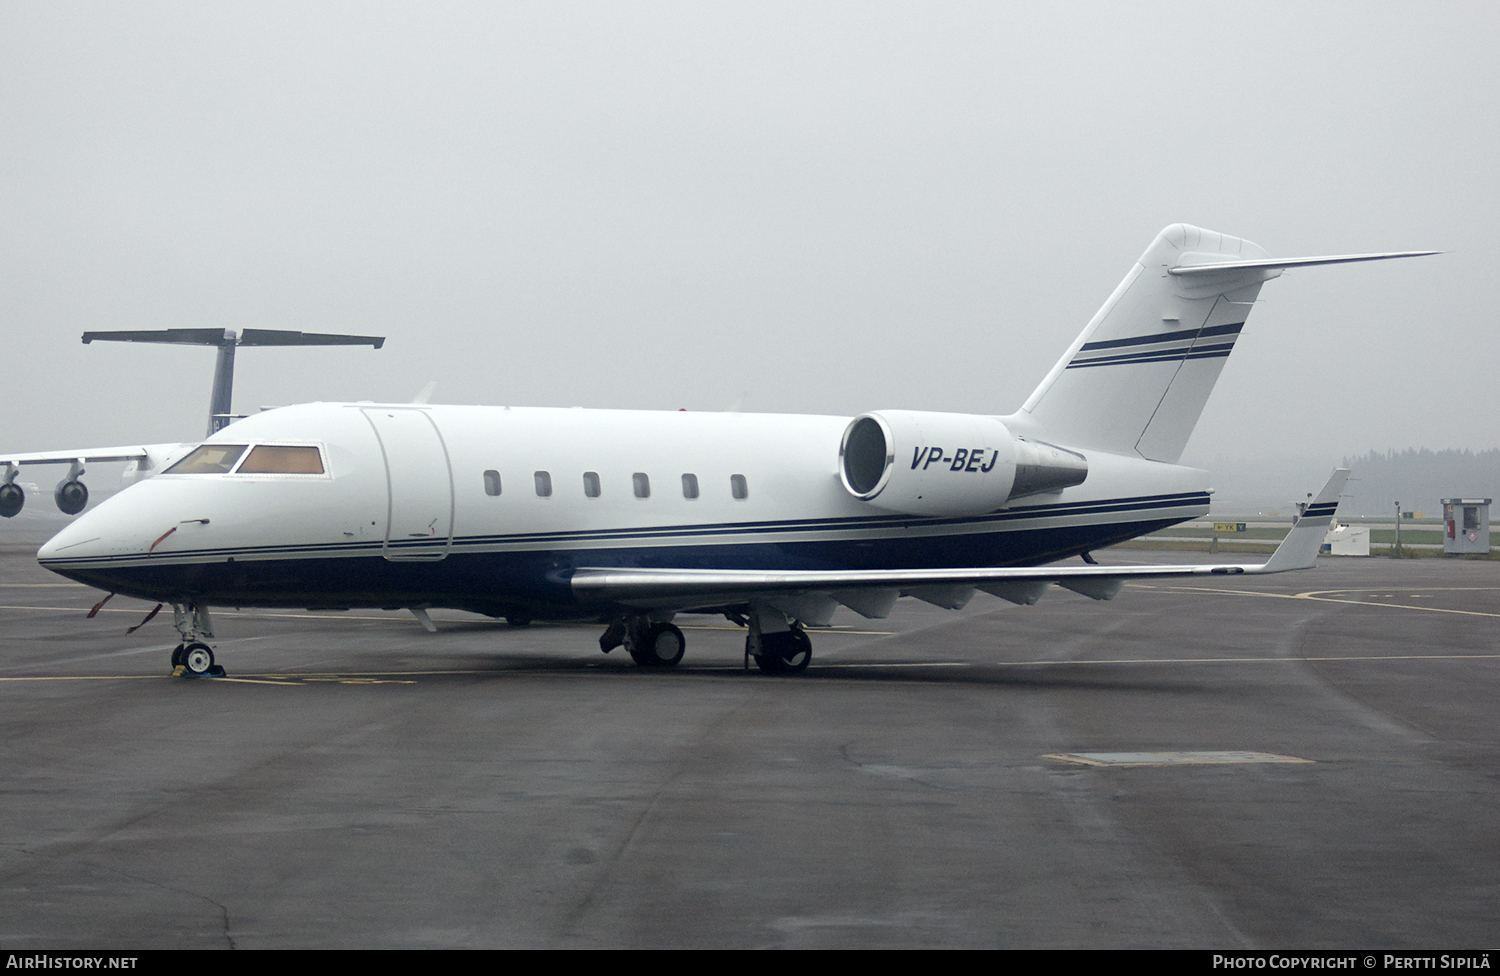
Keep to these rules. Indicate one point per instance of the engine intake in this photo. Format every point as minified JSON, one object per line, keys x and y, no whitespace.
{"x":71,"y":496}
{"x":960,"y":464}
{"x":12,"y":499}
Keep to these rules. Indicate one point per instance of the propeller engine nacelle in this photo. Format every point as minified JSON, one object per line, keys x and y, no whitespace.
{"x":953,"y":464}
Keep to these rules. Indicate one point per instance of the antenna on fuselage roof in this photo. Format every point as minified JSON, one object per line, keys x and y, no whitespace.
{"x":427,"y":391}
{"x":226,"y":340}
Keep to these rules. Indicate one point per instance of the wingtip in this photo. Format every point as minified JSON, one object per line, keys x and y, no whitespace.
{"x":1334,"y":487}
{"x":1299,"y":550}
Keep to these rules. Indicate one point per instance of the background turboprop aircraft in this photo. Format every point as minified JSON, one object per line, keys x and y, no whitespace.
{"x":631,"y":517}
{"x":72,"y":496}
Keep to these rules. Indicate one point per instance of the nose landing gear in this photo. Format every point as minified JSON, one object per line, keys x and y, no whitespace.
{"x":193,"y":658}
{"x":198,"y":661}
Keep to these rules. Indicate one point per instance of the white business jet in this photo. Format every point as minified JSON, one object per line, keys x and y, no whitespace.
{"x":631,"y":517}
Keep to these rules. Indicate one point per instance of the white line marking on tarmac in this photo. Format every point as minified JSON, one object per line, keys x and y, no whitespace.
{"x":1129,"y":759}
{"x":1317,"y":597}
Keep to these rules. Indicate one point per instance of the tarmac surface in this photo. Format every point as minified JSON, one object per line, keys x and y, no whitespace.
{"x":1305,"y":760}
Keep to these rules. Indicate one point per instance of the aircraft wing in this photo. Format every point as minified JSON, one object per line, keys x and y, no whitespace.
{"x":813,"y":595}
{"x":86,"y":455}
{"x":71,"y":494}
{"x":93,"y":455}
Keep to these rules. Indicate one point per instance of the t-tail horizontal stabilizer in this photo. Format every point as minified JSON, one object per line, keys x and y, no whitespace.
{"x":1191,"y":266}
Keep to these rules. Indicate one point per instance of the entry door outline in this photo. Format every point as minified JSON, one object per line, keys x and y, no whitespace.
{"x":405,"y":443}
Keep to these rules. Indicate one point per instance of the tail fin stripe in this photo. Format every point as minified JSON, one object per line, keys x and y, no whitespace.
{"x":1217,"y":351}
{"x":1185,"y":334}
{"x":1153,"y":353}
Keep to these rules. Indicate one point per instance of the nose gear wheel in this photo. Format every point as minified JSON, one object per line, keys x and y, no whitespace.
{"x":198,"y":661}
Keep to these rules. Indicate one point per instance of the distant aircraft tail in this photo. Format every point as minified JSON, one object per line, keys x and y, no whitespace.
{"x":1136,"y":380}
{"x":219,"y":416}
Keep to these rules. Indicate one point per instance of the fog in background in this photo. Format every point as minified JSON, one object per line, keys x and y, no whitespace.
{"x":824,"y":208}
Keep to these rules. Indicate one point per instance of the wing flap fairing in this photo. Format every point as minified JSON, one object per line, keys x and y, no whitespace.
{"x":687,"y":588}
{"x":96,"y":455}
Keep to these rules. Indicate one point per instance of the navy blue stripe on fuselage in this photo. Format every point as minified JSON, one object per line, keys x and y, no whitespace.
{"x":536,"y":583}
{"x":1003,"y":520}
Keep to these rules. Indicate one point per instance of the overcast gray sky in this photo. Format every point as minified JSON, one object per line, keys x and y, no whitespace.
{"x":831,"y":207}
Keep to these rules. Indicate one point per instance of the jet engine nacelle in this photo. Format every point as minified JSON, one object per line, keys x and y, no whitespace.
{"x":71,"y":496}
{"x":12,"y":499}
{"x":952,"y":464}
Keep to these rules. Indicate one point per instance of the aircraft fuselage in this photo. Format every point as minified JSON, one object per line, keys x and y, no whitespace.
{"x":491,"y":509}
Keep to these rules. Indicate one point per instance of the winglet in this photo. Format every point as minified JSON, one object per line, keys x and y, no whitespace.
{"x":1299,"y":550}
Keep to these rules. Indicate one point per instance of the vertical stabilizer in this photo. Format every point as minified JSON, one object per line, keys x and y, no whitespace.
{"x":1136,"y":380}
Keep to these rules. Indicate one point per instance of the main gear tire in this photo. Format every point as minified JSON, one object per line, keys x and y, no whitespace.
{"x":661,"y":646}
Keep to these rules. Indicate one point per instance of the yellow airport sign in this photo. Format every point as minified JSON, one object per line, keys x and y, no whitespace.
{"x":1229,"y":526}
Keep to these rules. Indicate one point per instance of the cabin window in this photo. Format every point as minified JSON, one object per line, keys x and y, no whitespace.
{"x":642,"y":484}
{"x":275,"y":459}
{"x":689,"y":486}
{"x":543,"y":484}
{"x":492,"y":482}
{"x":591,"y":484}
{"x":1471,"y":517}
{"x":208,"y":459}
{"x":738,"y":487}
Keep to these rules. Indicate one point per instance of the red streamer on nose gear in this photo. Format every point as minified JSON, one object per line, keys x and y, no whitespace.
{"x":154,"y":611}
{"x":100,"y":604}
{"x":158,"y":541}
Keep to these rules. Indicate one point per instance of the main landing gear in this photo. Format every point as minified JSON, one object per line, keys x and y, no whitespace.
{"x":194,"y":658}
{"x":650,"y":643}
{"x":778,"y":645}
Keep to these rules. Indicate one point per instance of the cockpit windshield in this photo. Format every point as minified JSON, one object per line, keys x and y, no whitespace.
{"x":262,"y":459}
{"x":209,"y":459}
{"x":278,"y":459}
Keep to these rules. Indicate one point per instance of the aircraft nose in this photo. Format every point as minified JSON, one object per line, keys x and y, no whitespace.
{"x":111,"y":547}
{"x":81,"y":539}
{"x":97,"y":539}
{"x":98,"y":549}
